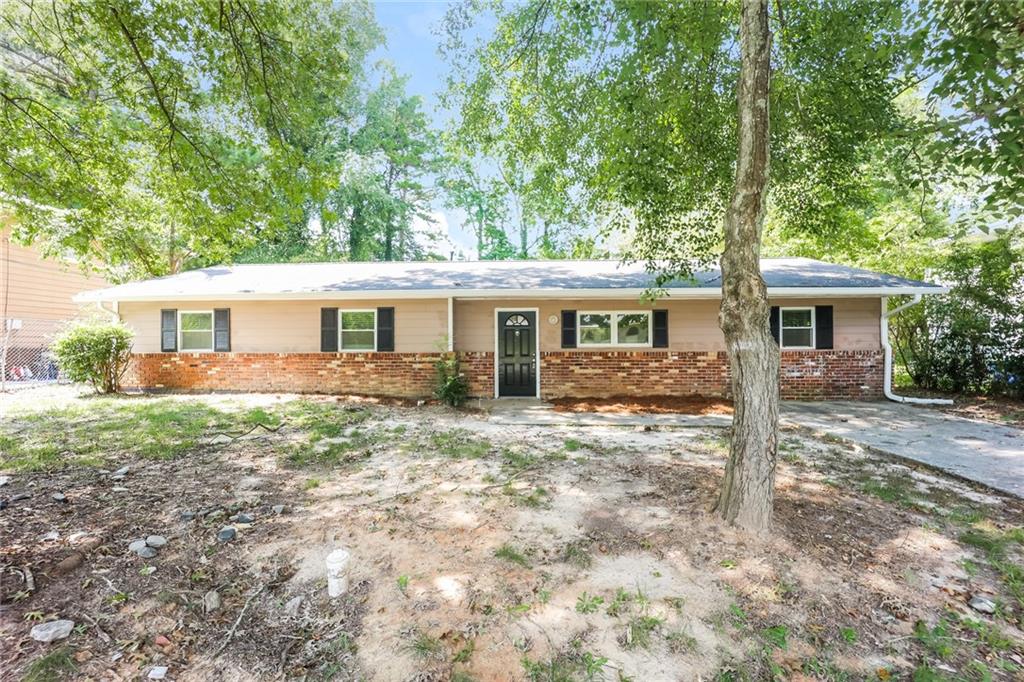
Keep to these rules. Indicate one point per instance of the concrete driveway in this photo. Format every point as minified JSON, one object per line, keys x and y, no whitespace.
{"x":980,"y":451}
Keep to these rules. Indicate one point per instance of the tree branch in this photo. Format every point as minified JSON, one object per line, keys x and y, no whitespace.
{"x":168,"y":116}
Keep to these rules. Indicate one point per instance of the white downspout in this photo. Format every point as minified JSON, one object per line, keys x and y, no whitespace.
{"x":451,"y":324}
{"x":887,"y":352}
{"x":113,"y":311}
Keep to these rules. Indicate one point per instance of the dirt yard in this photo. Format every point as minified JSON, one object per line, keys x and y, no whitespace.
{"x":479,"y":551}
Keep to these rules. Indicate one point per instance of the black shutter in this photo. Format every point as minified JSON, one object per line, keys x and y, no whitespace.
{"x":385,"y":330}
{"x":329,"y":330}
{"x":168,"y":331}
{"x":823,"y":326}
{"x":568,"y":329}
{"x":773,"y":322}
{"x":222,"y":330}
{"x":660,"y":337}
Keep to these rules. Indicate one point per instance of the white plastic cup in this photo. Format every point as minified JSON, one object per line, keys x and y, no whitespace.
{"x":337,"y":572}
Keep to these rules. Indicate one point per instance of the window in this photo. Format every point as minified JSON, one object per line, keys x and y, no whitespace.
{"x":797,"y":327}
{"x":357,"y":329}
{"x":595,"y":328}
{"x":195,"y":330}
{"x":614,"y":329}
{"x":517,"y":321}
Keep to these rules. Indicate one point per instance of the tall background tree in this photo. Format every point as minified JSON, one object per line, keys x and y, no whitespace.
{"x":143,"y":136}
{"x":386,"y":184}
{"x":638,"y":103}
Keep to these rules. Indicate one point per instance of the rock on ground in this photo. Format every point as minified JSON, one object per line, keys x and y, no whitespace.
{"x":982,"y":605}
{"x":52,"y":631}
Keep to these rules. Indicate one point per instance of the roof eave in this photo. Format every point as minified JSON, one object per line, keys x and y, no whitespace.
{"x":107,"y":296}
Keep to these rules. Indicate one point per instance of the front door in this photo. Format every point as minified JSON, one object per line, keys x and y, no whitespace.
{"x":517,"y":359}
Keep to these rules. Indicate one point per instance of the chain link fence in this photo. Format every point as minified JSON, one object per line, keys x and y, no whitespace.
{"x":25,"y":352}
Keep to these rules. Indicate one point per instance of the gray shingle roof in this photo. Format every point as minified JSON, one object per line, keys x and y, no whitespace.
{"x":312,"y":280}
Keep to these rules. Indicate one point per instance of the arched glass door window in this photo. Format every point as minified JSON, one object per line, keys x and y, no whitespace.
{"x":517,"y":321}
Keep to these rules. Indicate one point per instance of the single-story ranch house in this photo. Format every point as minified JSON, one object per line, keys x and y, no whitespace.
{"x":547,"y":329}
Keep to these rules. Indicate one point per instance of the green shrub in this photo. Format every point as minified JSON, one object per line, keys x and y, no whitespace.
{"x":96,"y":353}
{"x":452,"y":385}
{"x":972,"y":339}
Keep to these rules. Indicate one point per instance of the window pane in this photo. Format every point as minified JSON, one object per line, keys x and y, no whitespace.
{"x":358,"y":320}
{"x":358,"y":340}
{"x":796,"y":318}
{"x":796,"y":338}
{"x":197,"y":321}
{"x":196,"y":340}
{"x":633,"y":328}
{"x":595,"y":328}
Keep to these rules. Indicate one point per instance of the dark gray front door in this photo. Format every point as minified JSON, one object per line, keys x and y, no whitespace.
{"x":517,"y":343}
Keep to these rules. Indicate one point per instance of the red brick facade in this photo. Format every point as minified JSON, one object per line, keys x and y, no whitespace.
{"x":604,"y":374}
{"x":479,"y":370}
{"x":832,"y":374}
{"x":401,"y":375}
{"x":806,"y":375}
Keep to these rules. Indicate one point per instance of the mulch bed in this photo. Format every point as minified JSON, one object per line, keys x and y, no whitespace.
{"x":653,"y":405}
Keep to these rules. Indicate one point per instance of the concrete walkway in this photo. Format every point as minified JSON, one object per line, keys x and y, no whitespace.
{"x":979,"y":451}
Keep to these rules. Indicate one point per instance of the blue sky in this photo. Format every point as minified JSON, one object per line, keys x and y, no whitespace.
{"x":409,"y":28}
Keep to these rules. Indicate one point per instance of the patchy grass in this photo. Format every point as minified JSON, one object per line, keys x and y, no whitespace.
{"x":321,"y":419}
{"x":569,"y":665}
{"x":53,"y":666}
{"x":104,"y":429}
{"x":578,"y":554}
{"x":776,"y":636}
{"x":513,"y":555}
{"x":693,"y":600}
{"x":460,"y":444}
{"x":533,"y":497}
{"x":354,"y":444}
{"x":998,"y":547}
{"x":588,"y":603}
{"x":638,"y":632}
{"x":426,"y":646}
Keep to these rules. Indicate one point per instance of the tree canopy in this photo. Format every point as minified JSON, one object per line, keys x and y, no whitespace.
{"x":139,"y":135}
{"x":635,"y":104}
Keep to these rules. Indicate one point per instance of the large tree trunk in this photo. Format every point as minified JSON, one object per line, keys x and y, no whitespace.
{"x":748,"y":488}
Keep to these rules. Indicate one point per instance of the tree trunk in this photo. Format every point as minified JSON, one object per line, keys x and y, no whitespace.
{"x":748,"y":488}
{"x":389,"y":241}
{"x":479,"y":231}
{"x":355,"y":231}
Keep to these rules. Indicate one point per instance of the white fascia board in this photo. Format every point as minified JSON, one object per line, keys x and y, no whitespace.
{"x":679,"y":294}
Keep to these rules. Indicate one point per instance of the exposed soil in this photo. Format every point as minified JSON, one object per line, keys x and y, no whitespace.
{"x":998,"y":409}
{"x":652,"y":405}
{"x":1008,"y":411}
{"x":490,"y":552}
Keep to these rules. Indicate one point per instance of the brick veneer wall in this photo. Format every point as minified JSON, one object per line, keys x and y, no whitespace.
{"x":806,"y":375}
{"x":402,"y":375}
{"x":832,"y":374}
{"x":479,"y":370}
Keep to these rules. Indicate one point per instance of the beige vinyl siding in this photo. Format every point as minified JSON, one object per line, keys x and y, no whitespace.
{"x":693,"y":325}
{"x":294,"y":326}
{"x":36,"y":288}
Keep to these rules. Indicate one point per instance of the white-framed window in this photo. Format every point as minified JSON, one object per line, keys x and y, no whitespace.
{"x":614,"y":328}
{"x":357,"y":330}
{"x":796,"y":327}
{"x":195,"y":330}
